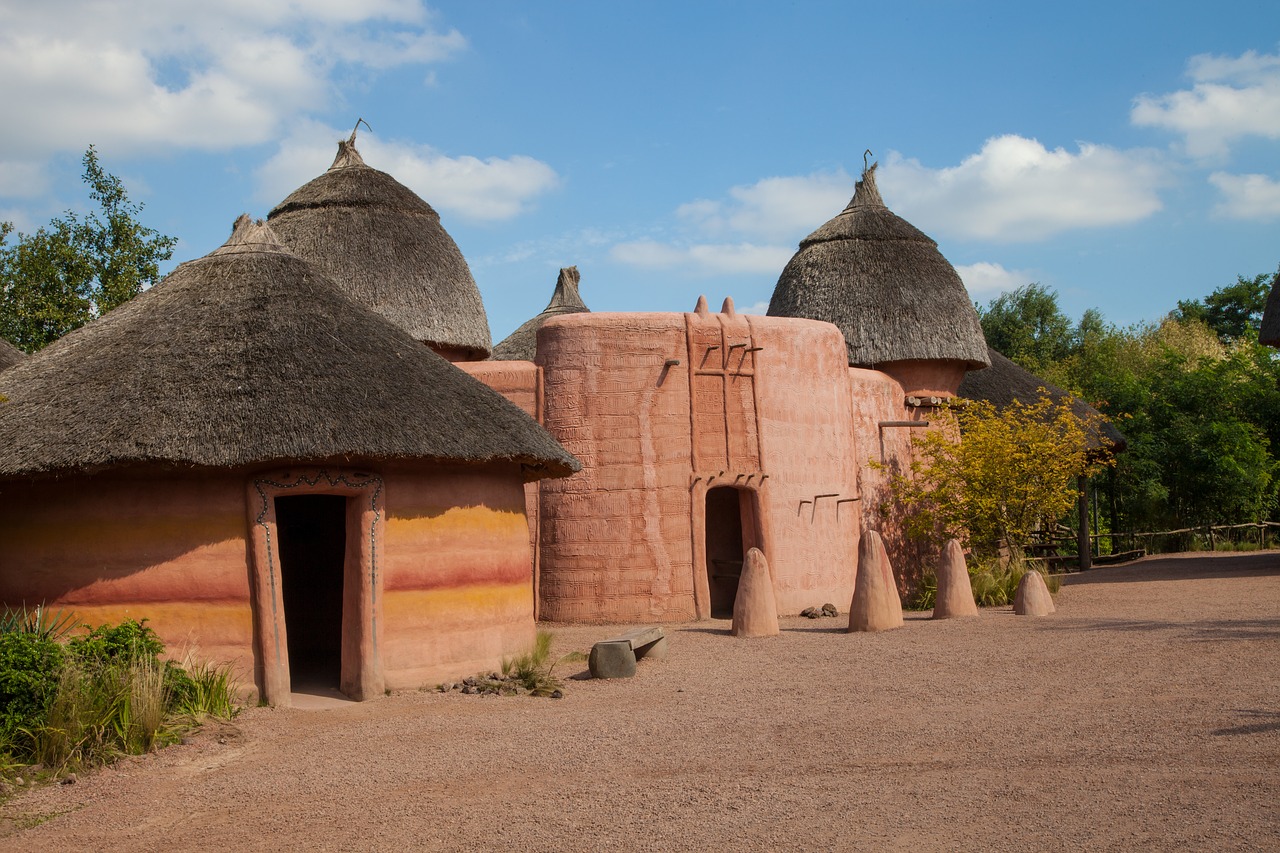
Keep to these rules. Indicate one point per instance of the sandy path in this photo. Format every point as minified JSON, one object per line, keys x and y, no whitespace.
{"x":1144,"y":715}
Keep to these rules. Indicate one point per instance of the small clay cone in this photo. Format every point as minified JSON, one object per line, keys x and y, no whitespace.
{"x":875,"y":600}
{"x":1033,"y":598}
{"x":955,"y":593}
{"x":755,"y":609}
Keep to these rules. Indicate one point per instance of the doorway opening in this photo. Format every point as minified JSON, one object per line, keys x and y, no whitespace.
{"x":312,"y":541}
{"x":731,"y":531}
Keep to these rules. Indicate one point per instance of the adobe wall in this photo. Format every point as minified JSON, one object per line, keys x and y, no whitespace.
{"x":171,"y":551}
{"x":812,"y":455}
{"x":883,"y":415}
{"x":458,"y":593}
{"x":521,"y":383}
{"x":660,"y":408}
{"x":616,"y":536}
{"x":453,"y":569}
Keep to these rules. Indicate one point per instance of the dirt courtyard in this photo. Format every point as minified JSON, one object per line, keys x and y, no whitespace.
{"x":1145,"y":715}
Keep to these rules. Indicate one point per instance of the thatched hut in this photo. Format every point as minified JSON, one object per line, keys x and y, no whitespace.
{"x":386,"y":248}
{"x":883,"y":282}
{"x":1006,"y":381}
{"x":272,"y":473}
{"x":9,"y":355}
{"x":522,"y":344}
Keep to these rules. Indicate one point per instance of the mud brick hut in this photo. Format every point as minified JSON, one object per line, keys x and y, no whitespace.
{"x":275,"y":475}
{"x":705,"y":434}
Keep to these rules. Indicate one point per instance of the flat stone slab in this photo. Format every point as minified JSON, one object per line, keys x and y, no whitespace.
{"x":616,"y":657}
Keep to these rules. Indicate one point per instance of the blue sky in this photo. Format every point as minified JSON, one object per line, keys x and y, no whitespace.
{"x":1124,"y":154}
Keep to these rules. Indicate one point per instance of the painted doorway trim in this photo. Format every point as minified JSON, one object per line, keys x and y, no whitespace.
{"x":361,"y":667}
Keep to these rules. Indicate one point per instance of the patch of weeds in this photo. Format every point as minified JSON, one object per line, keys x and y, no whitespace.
{"x":926,"y":594}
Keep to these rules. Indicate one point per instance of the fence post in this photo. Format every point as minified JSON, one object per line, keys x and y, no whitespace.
{"x":1083,"y":544}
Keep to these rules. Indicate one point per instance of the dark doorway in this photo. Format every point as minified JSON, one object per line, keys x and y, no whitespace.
{"x":726,"y":548}
{"x":312,"y":531}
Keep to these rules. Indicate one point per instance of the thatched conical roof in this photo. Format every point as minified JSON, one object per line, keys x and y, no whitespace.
{"x":884,"y":283}
{"x":251,"y":355}
{"x":385,"y":246}
{"x":1005,"y":381}
{"x":9,"y":355}
{"x":522,"y":344}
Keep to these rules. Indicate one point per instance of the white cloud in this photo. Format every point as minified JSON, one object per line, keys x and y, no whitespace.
{"x":478,"y":190}
{"x":1230,"y":98}
{"x":988,"y":279}
{"x":756,"y":308}
{"x":1015,"y":189}
{"x":704,"y":258}
{"x":774,"y":208}
{"x":1246,"y":196}
{"x":205,"y":74}
{"x":753,"y":230}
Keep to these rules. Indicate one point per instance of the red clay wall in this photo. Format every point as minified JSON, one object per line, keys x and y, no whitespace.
{"x":880,"y":412}
{"x":660,"y":408}
{"x":458,"y":592}
{"x":171,"y":551}
{"x":455,"y":575}
{"x":521,"y":383}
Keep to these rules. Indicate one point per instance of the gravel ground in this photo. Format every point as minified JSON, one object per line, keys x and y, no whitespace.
{"x":1145,"y":714}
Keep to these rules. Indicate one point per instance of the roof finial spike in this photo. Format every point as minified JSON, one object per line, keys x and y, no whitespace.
{"x":566,"y":293}
{"x":865,"y":193}
{"x":865,"y":154}
{"x":347,"y":153}
{"x":727,"y":307}
{"x":702,"y":307}
{"x":352,"y":139}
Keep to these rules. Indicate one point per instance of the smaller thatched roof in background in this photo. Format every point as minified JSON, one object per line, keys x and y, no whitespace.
{"x":884,"y":283}
{"x":386,"y":248}
{"x":251,"y":355}
{"x":9,"y":355}
{"x":1005,"y":381}
{"x":522,"y":344}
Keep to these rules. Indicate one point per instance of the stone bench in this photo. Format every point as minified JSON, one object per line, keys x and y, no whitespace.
{"x":616,"y":657}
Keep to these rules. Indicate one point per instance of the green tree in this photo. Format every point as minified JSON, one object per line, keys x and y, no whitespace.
{"x":1027,"y":326}
{"x":1232,"y":311}
{"x":77,"y":268}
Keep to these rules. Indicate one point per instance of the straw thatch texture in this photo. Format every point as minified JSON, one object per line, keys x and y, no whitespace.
{"x":9,"y":355}
{"x":251,"y":355}
{"x":1269,"y":334}
{"x":522,"y":344}
{"x":884,"y":283}
{"x":385,"y":246}
{"x":1005,"y":381}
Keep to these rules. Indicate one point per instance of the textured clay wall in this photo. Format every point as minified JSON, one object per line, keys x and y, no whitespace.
{"x":663,"y":408}
{"x":171,"y":551}
{"x":812,"y":458}
{"x":882,"y":414}
{"x":521,"y":383}
{"x":616,"y":540}
{"x":457,"y":588}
